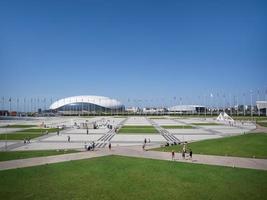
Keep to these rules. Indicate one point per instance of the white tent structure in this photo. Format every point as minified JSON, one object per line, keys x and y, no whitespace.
{"x":224,"y":117}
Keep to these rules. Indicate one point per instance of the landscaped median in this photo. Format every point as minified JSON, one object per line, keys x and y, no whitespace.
{"x":206,"y":124}
{"x":19,"y":126}
{"x":177,"y":126}
{"x":27,"y":133}
{"x":13,"y":155}
{"x":262,"y":123}
{"x":252,"y":145}
{"x":137,"y":129}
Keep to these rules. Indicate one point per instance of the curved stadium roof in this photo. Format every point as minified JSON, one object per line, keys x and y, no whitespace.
{"x":97,"y":100}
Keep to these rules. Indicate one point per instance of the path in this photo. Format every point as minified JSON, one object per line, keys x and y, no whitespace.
{"x":137,"y":151}
{"x":106,"y":138}
{"x":29,"y":162}
{"x":171,"y":139}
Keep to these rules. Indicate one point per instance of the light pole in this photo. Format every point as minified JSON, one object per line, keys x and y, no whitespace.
{"x":6,"y":138}
{"x":258,"y":98}
{"x":251,"y":104}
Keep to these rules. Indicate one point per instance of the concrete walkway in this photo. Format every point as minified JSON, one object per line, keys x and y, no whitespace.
{"x":136,"y":151}
{"x":20,"y":163}
{"x":228,"y":161}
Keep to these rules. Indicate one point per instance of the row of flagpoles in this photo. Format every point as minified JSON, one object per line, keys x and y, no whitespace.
{"x":211,"y":100}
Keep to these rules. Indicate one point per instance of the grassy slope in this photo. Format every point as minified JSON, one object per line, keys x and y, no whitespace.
{"x":119,"y":178}
{"x":138,"y":129}
{"x":248,"y":145}
{"x":12,"y":155}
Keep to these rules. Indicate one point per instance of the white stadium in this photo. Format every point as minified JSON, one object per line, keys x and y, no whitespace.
{"x":86,"y":104}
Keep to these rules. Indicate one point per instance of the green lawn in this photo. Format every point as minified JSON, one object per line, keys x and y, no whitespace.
{"x":157,"y":118}
{"x":28,"y":133}
{"x":262,"y":123}
{"x":206,"y":124}
{"x":12,"y":155}
{"x":257,"y":118}
{"x":19,"y":126}
{"x":120,"y":178}
{"x":38,"y":130}
{"x":138,"y":129}
{"x":177,"y":126}
{"x":249,"y":145}
{"x":19,"y":136}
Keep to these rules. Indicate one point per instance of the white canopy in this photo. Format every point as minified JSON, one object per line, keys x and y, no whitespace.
{"x":224,"y":117}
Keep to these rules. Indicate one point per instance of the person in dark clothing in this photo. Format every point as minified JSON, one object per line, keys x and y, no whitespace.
{"x":183,"y":154}
{"x":172,"y":154}
{"x":87,"y":131}
{"x":145,"y":141}
{"x":93,"y":146}
{"x":68,"y":138}
{"x":190,"y":153}
{"x":109,"y":146}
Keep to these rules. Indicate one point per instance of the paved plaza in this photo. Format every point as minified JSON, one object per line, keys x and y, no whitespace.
{"x":104,"y":135}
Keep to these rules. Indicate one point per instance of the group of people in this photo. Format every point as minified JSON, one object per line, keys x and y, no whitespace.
{"x":90,"y":146}
{"x":27,"y":140}
{"x":184,"y":152}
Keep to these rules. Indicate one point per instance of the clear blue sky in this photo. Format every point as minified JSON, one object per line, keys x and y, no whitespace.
{"x":150,"y":50}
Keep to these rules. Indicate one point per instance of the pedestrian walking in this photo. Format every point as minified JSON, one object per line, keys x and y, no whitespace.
{"x":58,"y":132}
{"x":144,"y":145}
{"x":109,"y":146}
{"x":190,"y":153}
{"x":87,"y":131}
{"x":173,"y":154}
{"x":93,"y":145}
{"x":183,"y":154}
{"x":68,"y":138}
{"x":145,"y":140}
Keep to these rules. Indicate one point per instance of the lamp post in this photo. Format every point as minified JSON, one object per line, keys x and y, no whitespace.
{"x":251,"y":114}
{"x":6,"y":138}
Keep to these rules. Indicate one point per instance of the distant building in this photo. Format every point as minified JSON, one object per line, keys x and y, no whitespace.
{"x":132,"y":109}
{"x":262,"y":107}
{"x":187,"y":109}
{"x":153,"y":110}
{"x":77,"y":105}
{"x":4,"y":113}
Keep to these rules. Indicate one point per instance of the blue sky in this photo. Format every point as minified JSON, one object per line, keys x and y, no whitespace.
{"x":149,"y":50}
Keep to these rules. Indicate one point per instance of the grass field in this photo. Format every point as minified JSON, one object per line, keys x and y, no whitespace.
{"x":177,"y":126}
{"x":249,"y":145}
{"x":12,"y":155}
{"x":19,"y":126}
{"x":264,"y":123}
{"x":157,"y":118}
{"x":138,"y":129}
{"x":206,"y":124}
{"x":120,"y":178}
{"x":19,"y":136}
{"x":254,"y":118}
{"x":27,"y":133}
{"x":38,"y":130}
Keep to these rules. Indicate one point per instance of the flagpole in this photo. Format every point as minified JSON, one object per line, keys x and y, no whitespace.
{"x":10,"y":104}
{"x":258,"y":98}
{"x":251,"y":104}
